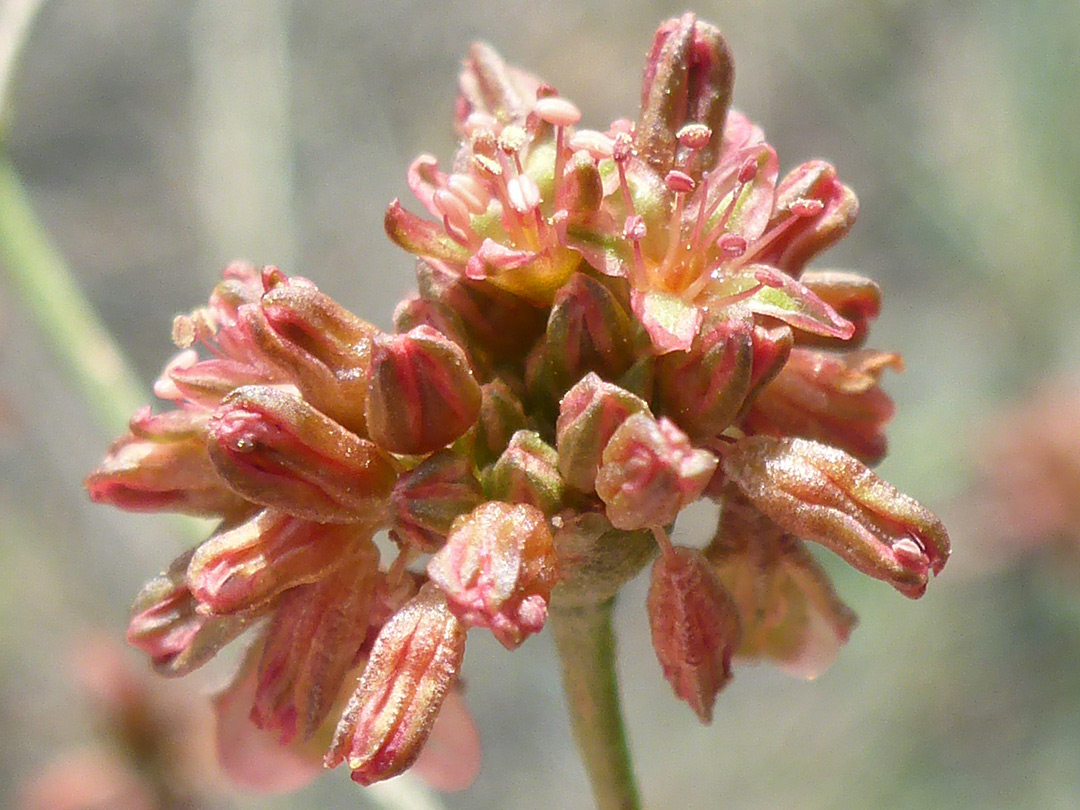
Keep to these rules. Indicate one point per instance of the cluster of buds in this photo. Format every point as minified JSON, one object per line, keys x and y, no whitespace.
{"x":609,"y":326}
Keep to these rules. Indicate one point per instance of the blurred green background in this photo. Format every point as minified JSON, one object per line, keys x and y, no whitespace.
{"x":160,"y":139}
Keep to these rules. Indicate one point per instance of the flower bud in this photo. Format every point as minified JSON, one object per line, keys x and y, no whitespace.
{"x":501,"y":416}
{"x":423,"y":395}
{"x":497,"y":570}
{"x":325,"y":347}
{"x":416,"y":311}
{"x":298,"y":683}
{"x":503,"y":324}
{"x":527,"y":472}
{"x":695,"y":627}
{"x":166,"y":625}
{"x":822,"y":494}
{"x":413,"y":663}
{"x":771,"y":349}
{"x":816,"y":181}
{"x":688,"y":80}
{"x":589,"y":329}
{"x":589,"y":414}
{"x":703,"y":389}
{"x":427,"y":499}
{"x":162,"y":464}
{"x":856,"y":299}
{"x":248,"y":565}
{"x":492,"y":87}
{"x":830,"y":398}
{"x":595,"y":559}
{"x":275,"y":449}
{"x":208,"y":382}
{"x":649,"y":472}
{"x":788,"y":610}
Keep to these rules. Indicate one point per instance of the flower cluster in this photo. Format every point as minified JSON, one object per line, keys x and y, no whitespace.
{"x":609,"y":326}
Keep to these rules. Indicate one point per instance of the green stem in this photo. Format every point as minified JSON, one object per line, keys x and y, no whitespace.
{"x":586,"y":644}
{"x":49,"y":293}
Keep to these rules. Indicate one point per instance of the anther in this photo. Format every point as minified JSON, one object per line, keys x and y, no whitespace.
{"x":557,"y":111}
{"x":694,"y":136}
{"x":806,"y":208}
{"x":679,"y":182}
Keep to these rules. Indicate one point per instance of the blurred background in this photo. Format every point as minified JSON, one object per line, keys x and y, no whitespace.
{"x":159,"y":140}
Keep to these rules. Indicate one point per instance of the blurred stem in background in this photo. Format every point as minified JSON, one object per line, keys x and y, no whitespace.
{"x":48,"y":291}
{"x":39,"y":275}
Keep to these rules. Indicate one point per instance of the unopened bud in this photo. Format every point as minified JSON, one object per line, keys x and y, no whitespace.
{"x":855,"y":298}
{"x":829,"y":398}
{"x":497,"y":570}
{"x":423,"y":395}
{"x":273,"y":448}
{"x":166,"y":625}
{"x":589,"y":414}
{"x":704,"y":388}
{"x":162,"y":465}
{"x":501,"y":416}
{"x":427,"y":499}
{"x":649,"y":472}
{"x":527,"y":472}
{"x":688,"y":80}
{"x":248,"y":565}
{"x":413,"y":663}
{"x":589,"y":329}
{"x":822,"y":494}
{"x":325,"y":347}
{"x":504,"y":325}
{"x":298,"y":683}
{"x":695,"y":627}
{"x":813,"y":181}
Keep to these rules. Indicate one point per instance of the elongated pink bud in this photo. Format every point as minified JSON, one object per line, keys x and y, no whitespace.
{"x":166,"y":625}
{"x":427,"y":499}
{"x":312,"y":643}
{"x":413,"y":663}
{"x":830,"y":398}
{"x":248,"y":565}
{"x":689,"y":76}
{"x":589,"y":414}
{"x":820,"y":493}
{"x":162,"y":465}
{"x":275,"y":449}
{"x":423,"y":395}
{"x":526,"y":472}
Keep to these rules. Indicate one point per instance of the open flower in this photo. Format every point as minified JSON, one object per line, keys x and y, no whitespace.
{"x":609,"y":325}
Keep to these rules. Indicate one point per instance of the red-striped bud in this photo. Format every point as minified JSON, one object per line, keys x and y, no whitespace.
{"x":275,"y":449}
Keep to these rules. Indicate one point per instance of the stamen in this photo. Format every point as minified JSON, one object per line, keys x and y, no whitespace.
{"x":634,"y":231}
{"x":597,"y":144}
{"x":557,"y":111}
{"x":662,"y":540}
{"x":471,"y":193}
{"x":479,"y":121}
{"x":622,"y":151}
{"x":798,"y":209}
{"x":452,"y":209}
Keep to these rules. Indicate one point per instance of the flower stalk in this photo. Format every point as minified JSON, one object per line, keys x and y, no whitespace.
{"x":585,"y":641}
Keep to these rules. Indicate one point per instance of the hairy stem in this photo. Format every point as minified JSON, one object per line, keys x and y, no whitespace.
{"x":586,"y":644}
